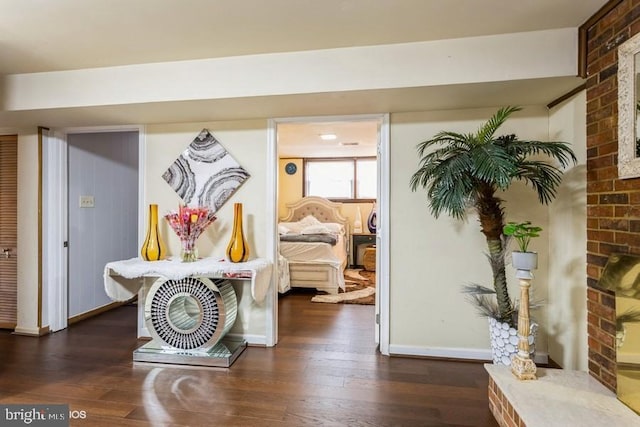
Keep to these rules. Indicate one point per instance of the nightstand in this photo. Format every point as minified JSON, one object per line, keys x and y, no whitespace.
{"x":358,"y":239}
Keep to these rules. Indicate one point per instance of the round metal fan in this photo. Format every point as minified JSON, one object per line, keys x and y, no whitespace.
{"x":190,"y":313}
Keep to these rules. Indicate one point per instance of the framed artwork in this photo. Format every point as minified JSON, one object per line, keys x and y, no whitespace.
{"x":205,"y":174}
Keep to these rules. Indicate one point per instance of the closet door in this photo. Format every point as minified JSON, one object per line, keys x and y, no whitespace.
{"x":8,"y":231}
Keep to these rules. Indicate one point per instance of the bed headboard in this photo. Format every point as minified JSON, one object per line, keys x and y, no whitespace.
{"x":322,"y":209}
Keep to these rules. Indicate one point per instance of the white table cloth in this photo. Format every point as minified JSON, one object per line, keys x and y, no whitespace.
{"x":122,"y":279}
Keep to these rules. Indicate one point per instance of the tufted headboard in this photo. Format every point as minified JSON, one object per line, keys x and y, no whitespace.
{"x":322,"y":209}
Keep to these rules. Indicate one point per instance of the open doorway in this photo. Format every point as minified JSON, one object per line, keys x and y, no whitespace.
{"x":93,"y":183}
{"x":328,"y":184}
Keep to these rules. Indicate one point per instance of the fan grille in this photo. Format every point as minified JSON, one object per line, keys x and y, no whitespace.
{"x":187,"y":313}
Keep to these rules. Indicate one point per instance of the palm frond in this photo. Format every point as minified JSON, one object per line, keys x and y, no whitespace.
{"x":444,"y":139}
{"x":492,"y":164}
{"x":451,"y":196}
{"x":486,"y":132}
{"x":543,"y":177}
{"x":483,"y":299}
{"x":560,"y":151}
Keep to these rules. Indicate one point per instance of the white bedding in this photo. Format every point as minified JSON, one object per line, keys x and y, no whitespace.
{"x":315,"y":252}
{"x":312,"y":253}
{"x":313,"y":265}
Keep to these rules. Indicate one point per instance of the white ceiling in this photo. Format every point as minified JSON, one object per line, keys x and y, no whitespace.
{"x":40,"y":35}
{"x":354,"y":138}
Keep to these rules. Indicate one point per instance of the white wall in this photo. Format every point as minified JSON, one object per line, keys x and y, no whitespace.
{"x":568,"y":246}
{"x":246,"y":141}
{"x":493,"y":58}
{"x":432,"y":258}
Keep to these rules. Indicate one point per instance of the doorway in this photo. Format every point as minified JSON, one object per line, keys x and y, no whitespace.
{"x":97,"y":170}
{"x":102,"y":212}
{"x":297,"y":142}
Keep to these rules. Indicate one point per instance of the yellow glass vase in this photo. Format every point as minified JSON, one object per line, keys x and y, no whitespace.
{"x":153,"y":248}
{"x":238,"y":249}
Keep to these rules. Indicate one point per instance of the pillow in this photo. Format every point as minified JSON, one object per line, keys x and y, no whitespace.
{"x":283,"y":229}
{"x":309,"y":220}
{"x":293,"y":227}
{"x":316,"y":229}
{"x":334,"y":227}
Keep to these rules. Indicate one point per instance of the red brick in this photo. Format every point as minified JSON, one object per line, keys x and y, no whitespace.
{"x":626,"y":184}
{"x":613,"y":224}
{"x":610,"y":172}
{"x":613,"y":203}
{"x":634,"y":198}
{"x":608,"y":99}
{"x":600,"y":211}
{"x":601,"y":236}
{"x":630,"y":239}
{"x":614,"y":199}
{"x":601,"y":138}
{"x":599,"y":186}
{"x":608,"y":148}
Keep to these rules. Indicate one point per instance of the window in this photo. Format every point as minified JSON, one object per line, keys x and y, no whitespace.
{"x":348,"y":179}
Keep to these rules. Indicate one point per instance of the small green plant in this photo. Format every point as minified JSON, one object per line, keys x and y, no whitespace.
{"x":522,"y":232}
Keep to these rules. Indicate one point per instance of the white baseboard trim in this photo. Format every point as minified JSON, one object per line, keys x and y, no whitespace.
{"x":32,"y":332}
{"x":250,"y":339}
{"x":452,"y":353}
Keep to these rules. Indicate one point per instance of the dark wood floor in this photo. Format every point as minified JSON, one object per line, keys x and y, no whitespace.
{"x":324,"y":371}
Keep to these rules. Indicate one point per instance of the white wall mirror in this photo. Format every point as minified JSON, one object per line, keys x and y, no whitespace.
{"x":628,"y":112}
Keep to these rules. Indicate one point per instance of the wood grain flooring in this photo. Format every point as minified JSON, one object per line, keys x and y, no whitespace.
{"x":324,"y":371}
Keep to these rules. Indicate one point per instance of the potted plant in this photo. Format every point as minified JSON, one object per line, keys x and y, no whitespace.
{"x":469,"y":170}
{"x":523,"y":232}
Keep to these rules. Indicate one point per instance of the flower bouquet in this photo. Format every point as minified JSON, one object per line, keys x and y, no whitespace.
{"x":189,"y":223}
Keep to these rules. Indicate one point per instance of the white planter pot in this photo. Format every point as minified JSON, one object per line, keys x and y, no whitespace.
{"x":504,"y":341}
{"x":524,"y":260}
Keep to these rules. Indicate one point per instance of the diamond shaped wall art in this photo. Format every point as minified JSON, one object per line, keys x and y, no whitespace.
{"x":205,"y":174}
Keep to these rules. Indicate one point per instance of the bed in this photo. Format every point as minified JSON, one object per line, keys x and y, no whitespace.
{"x":314,"y":262}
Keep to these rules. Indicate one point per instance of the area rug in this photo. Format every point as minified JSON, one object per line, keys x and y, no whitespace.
{"x":360,"y":288}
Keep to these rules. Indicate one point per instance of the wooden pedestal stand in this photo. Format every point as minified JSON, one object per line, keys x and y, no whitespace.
{"x":521,"y":364}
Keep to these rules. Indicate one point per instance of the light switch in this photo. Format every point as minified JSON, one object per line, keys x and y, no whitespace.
{"x":86,"y":202}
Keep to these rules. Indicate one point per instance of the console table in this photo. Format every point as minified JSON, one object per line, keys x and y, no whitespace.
{"x":190,"y":306}
{"x":359,"y":239}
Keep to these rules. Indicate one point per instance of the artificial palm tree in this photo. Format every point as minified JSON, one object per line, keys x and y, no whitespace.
{"x":460,"y":171}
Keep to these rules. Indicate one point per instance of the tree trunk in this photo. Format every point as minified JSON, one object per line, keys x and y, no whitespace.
{"x":492,"y":222}
{"x":496,"y":254}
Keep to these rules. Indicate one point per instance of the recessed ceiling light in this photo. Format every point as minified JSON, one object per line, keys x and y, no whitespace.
{"x":328,"y":136}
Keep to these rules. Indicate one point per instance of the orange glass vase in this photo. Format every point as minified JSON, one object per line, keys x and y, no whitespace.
{"x":153,"y":248}
{"x":238,"y":249}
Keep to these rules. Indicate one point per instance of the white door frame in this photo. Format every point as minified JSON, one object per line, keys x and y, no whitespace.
{"x":57,"y":216}
{"x":382,"y":230}
{"x":54,"y":230}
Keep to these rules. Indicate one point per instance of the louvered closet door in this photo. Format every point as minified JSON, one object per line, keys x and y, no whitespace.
{"x":8,"y":230}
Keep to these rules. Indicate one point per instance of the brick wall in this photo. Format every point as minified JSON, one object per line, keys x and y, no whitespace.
{"x":501,"y":408}
{"x":613,"y":205}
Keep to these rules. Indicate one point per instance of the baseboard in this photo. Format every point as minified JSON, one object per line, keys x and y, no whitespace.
{"x":96,"y":311}
{"x":257,"y":340}
{"x":28,"y":332}
{"x":483,"y":355}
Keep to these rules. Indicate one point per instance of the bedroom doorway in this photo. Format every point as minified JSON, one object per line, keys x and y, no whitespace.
{"x":339,"y":159}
